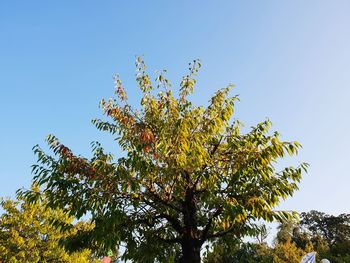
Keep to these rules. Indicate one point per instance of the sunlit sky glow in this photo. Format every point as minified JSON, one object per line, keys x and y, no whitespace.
{"x":289,"y":60}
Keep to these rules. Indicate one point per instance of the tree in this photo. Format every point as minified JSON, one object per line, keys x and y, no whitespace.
{"x":293,"y":241}
{"x":333,"y":228}
{"x":287,"y":252}
{"x":28,"y":235}
{"x":186,"y":174}
{"x":290,"y":243}
{"x":285,"y":231}
{"x":228,"y":249}
{"x":330,"y":234}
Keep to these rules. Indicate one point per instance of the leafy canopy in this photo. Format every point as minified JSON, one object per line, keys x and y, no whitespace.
{"x":28,"y":234}
{"x":188,"y":174}
{"x":330,"y":234}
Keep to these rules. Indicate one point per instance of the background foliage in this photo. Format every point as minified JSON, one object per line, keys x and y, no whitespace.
{"x":31,"y":232}
{"x":292,"y":242}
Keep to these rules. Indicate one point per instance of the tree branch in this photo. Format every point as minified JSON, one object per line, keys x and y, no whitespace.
{"x":222,"y":233}
{"x":172,"y":220}
{"x":208,"y":225}
{"x":162,"y":201}
{"x":205,"y":166}
{"x":169,"y":240}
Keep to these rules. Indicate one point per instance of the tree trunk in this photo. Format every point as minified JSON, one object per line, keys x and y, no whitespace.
{"x":191,"y":252}
{"x":190,"y":245}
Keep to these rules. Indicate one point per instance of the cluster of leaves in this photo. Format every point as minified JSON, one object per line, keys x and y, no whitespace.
{"x":328,"y":235}
{"x":29,"y":232}
{"x":187,"y":175}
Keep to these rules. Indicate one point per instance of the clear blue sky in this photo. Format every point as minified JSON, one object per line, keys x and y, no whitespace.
{"x":290,"y":61}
